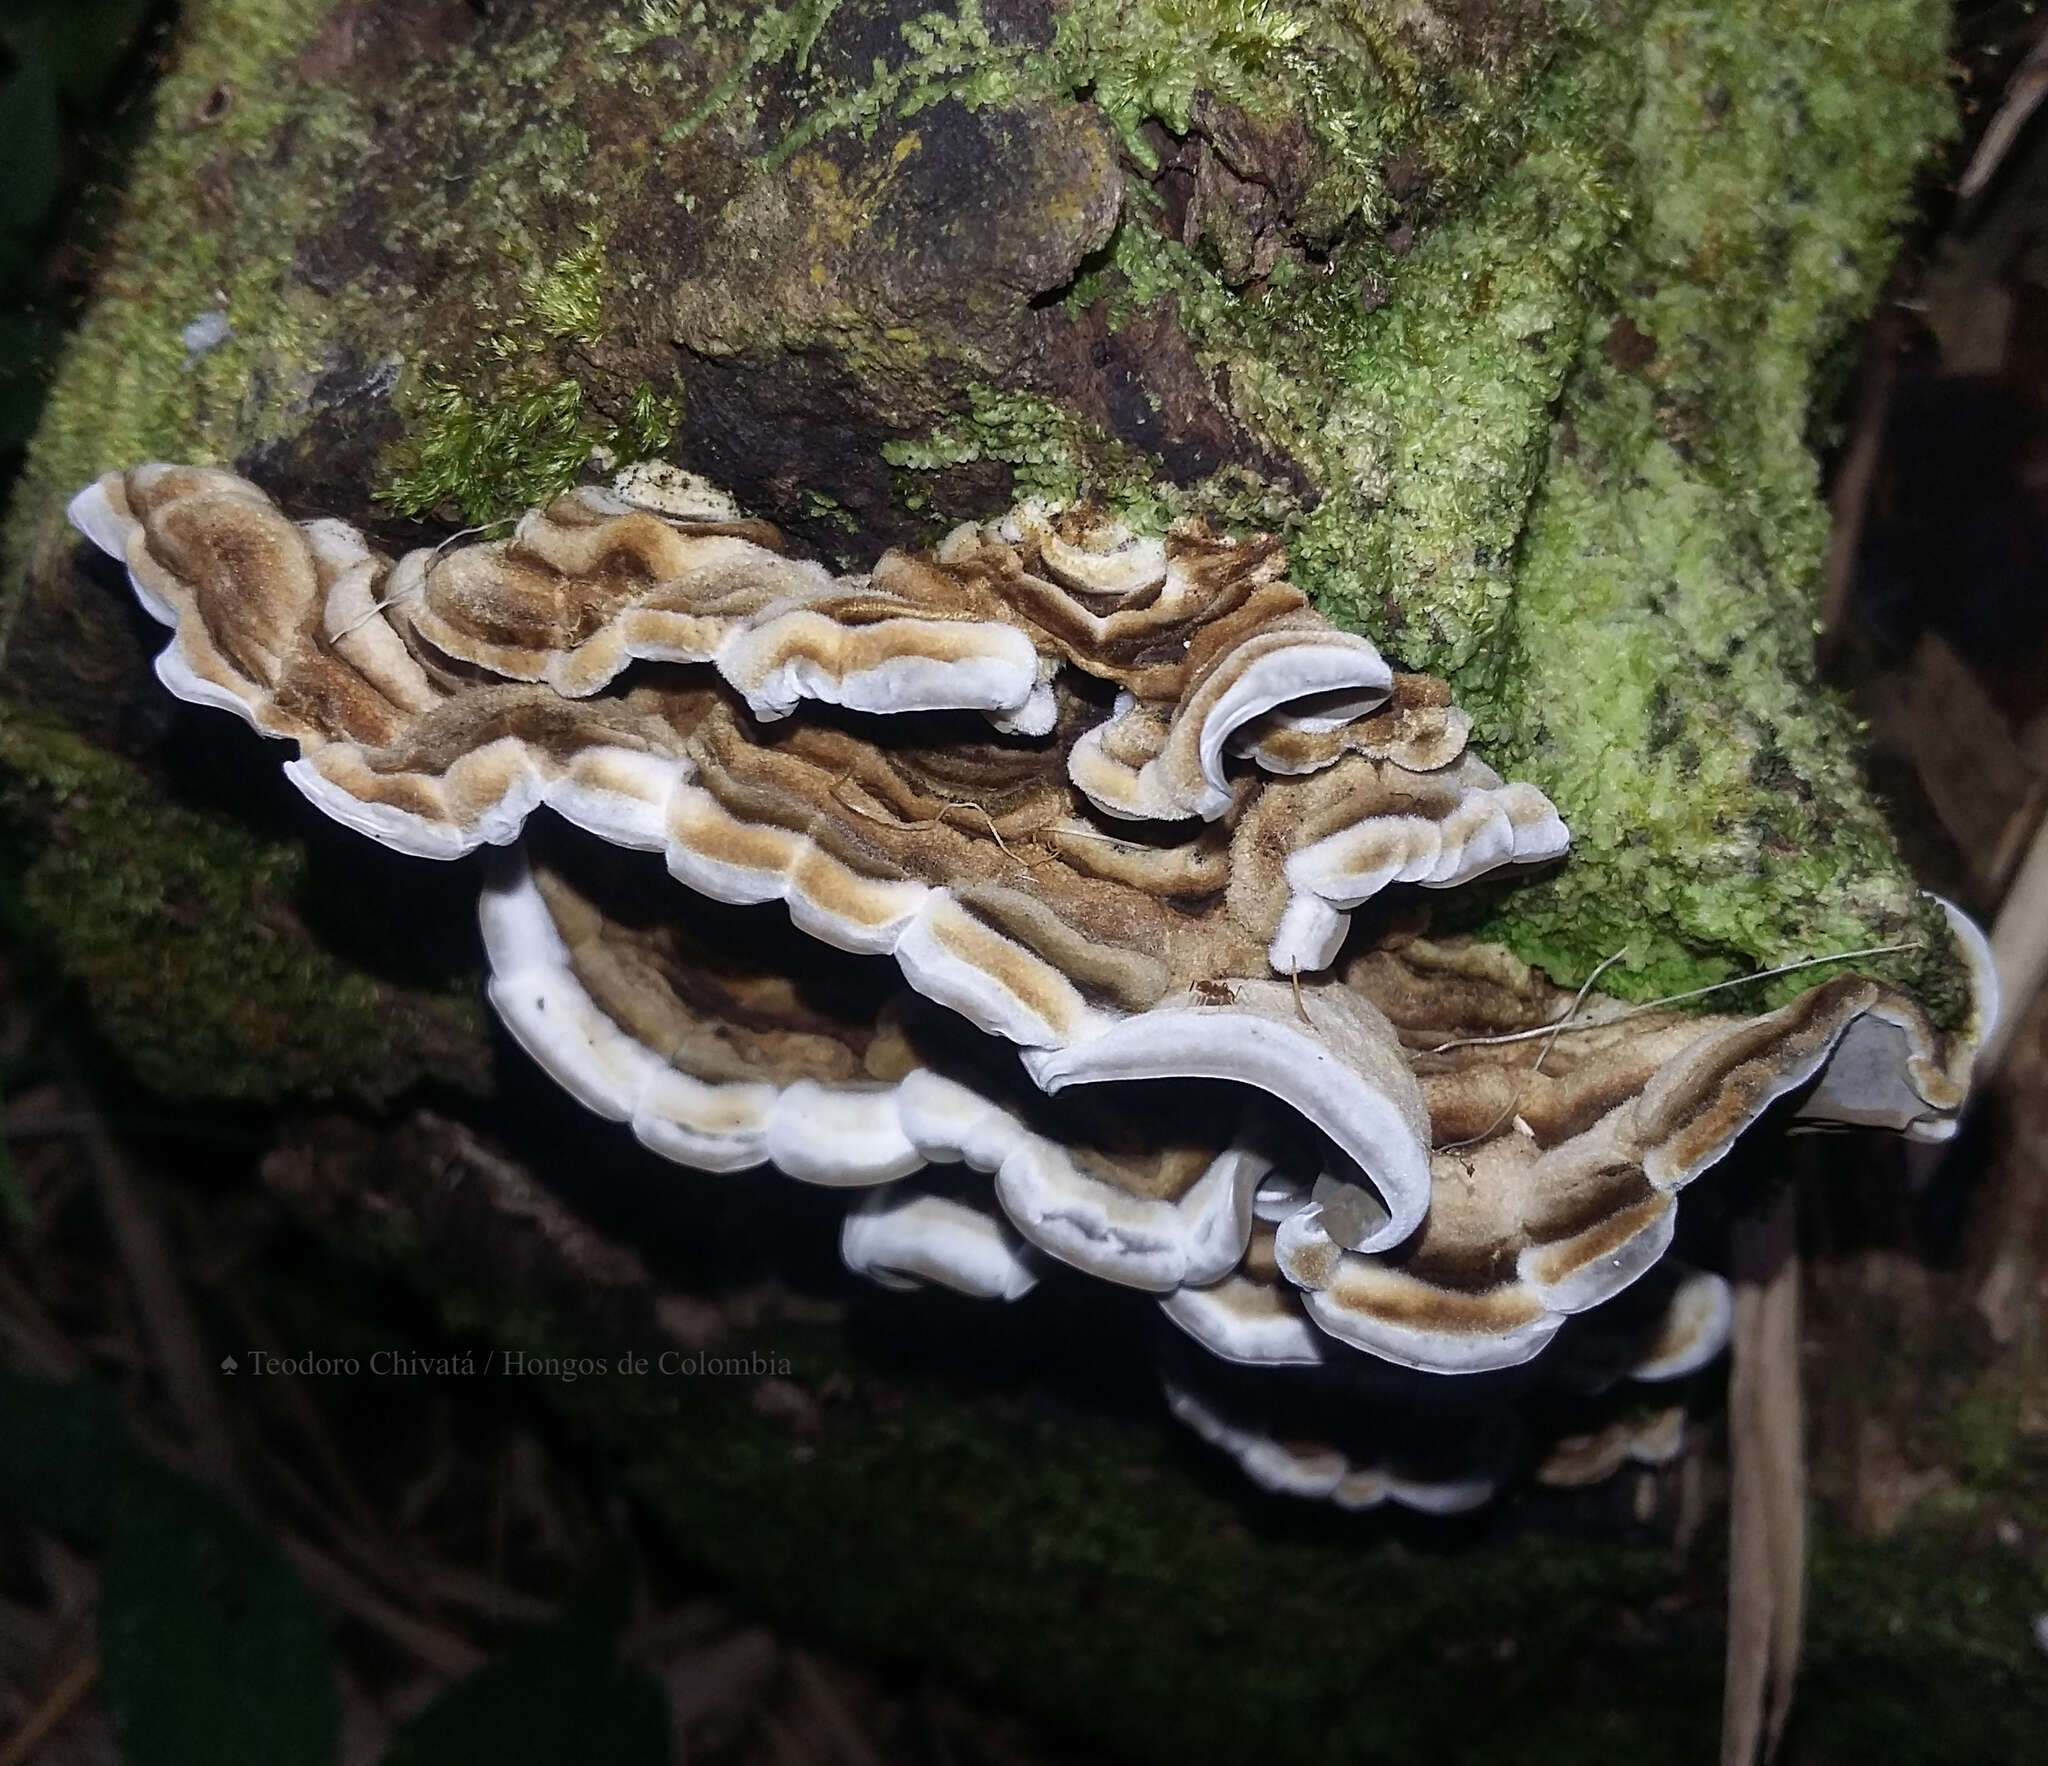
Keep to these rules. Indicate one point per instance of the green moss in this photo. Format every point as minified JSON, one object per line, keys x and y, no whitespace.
{"x":501,"y":428}
{"x":1420,"y":416}
{"x":490,"y":456}
{"x":1624,"y":599}
{"x":126,"y":390}
{"x":1986,"y":1427}
{"x":824,"y":508}
{"x":949,"y":57}
{"x":515,"y":431}
{"x":1052,"y":454}
{"x":1664,"y":603}
{"x":1370,"y":82}
{"x":520,"y":444}
{"x":568,"y":301}
{"x":1149,"y":60}
{"x":777,"y":32}
{"x":178,"y":928}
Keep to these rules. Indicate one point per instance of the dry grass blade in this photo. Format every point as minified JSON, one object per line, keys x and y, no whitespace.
{"x":1562,"y":1024}
{"x":432,"y":1646}
{"x":173,"y":1327}
{"x":2022,"y":98}
{"x":2019,"y":953}
{"x":290,"y":1397}
{"x":1767,"y":1506}
{"x":816,"y":1693}
{"x":1786,"y":1493}
{"x":712,"y":1687}
{"x":30,"y":1338}
{"x":63,"y":1698}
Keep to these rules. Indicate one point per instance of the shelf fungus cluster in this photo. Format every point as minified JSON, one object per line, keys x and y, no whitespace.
{"x":1017,"y":883}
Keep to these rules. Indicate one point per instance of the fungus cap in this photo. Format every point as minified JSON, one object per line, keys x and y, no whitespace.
{"x":439,"y":702}
{"x":916,"y":764}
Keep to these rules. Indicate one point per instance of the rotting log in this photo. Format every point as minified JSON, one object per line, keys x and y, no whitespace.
{"x":1515,"y":321}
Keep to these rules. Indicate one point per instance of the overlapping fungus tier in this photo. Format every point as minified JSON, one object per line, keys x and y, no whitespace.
{"x":1544,"y":1207}
{"x":1563,"y":1129}
{"x":1111,"y":801}
{"x":1085,"y":788}
{"x":727,"y":1041}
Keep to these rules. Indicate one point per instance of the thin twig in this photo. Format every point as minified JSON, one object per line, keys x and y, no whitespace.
{"x":844,"y":1734}
{"x":1767,"y":1498}
{"x":63,"y":1698}
{"x":429,"y":1645}
{"x":1563,"y":1023}
{"x":377,"y":610}
{"x":52,"y":1202}
{"x":379,"y":607}
{"x":2023,"y":96}
{"x":1849,"y":499}
{"x":994,"y":831}
{"x":937,"y":821}
{"x":167,"y":1313}
{"x":1578,"y":1000}
{"x":33,"y":1335}
{"x":451,"y":1585}
{"x":1556,"y":1030}
{"x":411,"y":1574}
{"x":2019,"y":953}
{"x":291,"y":1396}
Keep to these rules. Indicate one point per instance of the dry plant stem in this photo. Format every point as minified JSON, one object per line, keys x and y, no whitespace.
{"x":848,"y":1743}
{"x":938,"y":1743}
{"x":450,"y":1585}
{"x":1767,"y":1506}
{"x":1786,"y":1444}
{"x":2022,"y":98}
{"x":407,"y":1573}
{"x":2018,"y":838}
{"x":784,"y":1747}
{"x":1563,"y":1024}
{"x":365,"y":1723}
{"x":2019,"y":952}
{"x":71,"y":1582}
{"x":432,"y":1647}
{"x":292,"y":1398}
{"x":1850,"y":498}
{"x":31,"y":1337}
{"x":1555,"y":1030}
{"x":379,"y":606}
{"x":706,"y":1679}
{"x":52,"y":1201}
{"x":26,"y":1628}
{"x":63,"y":1698}
{"x":369,"y":1553}
{"x":167,"y":1314}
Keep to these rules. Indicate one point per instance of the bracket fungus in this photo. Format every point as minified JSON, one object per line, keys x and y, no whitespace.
{"x":1357,"y":1432}
{"x":1019,"y":883}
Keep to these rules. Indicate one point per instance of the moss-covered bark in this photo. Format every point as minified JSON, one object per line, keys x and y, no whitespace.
{"x":1513,"y":319}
